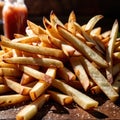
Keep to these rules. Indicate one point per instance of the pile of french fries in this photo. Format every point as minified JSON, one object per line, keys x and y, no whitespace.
{"x":70,"y":57}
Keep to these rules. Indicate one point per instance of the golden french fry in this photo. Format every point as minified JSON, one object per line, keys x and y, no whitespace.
{"x":116,"y":55}
{"x":51,"y":30}
{"x":25,"y":79}
{"x":27,"y":39}
{"x":55,"y":41}
{"x":71,"y":20}
{"x":95,"y":90}
{"x":54,"y":19}
{"x":106,"y":34}
{"x":100,"y":80}
{"x":88,"y":37}
{"x":23,"y":90}
{"x":36,"y":74}
{"x":42,"y":85}
{"x":10,"y":72}
{"x":4,"y":89}
{"x":110,"y":50}
{"x":60,"y":98}
{"x":46,"y":62}
{"x":35,"y":28}
{"x":81,"y":99}
{"x":34,"y":49}
{"x":38,"y":89}
{"x":116,"y":83}
{"x":51,"y":72}
{"x":7,"y":65}
{"x":13,"y":99}
{"x":80,"y":72}
{"x":83,"y":48}
{"x":91,"y":23}
{"x":31,"y":109}
{"x":66,"y":74}
{"x":96,"y":31}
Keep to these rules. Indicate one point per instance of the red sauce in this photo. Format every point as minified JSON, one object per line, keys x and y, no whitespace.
{"x":14,"y":18}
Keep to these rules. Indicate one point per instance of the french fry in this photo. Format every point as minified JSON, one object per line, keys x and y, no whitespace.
{"x":54,"y":19}
{"x":34,"y":49}
{"x":29,"y":111}
{"x":36,"y":74}
{"x":35,"y":28}
{"x":80,"y":72}
{"x":81,"y":47}
{"x":60,"y":98}
{"x":71,"y":20}
{"x":27,"y":39}
{"x":51,"y":30}
{"x":109,"y":51}
{"x":13,"y":99}
{"x":81,"y":99}
{"x":116,"y":55}
{"x":116,"y":83}
{"x":51,"y":72}
{"x":106,"y":34}
{"x":20,"y":89}
{"x":4,"y":89}
{"x":96,"y":31}
{"x":25,"y":79}
{"x":10,"y":72}
{"x":38,"y":89}
{"x":7,"y":65}
{"x":91,"y":23}
{"x":88,"y":37}
{"x":41,"y":86}
{"x":46,"y":62}
{"x":100,"y":80}
{"x":66,"y":74}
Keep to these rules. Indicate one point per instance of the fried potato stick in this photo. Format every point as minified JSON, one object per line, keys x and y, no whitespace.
{"x":92,"y":22}
{"x":110,"y":50}
{"x":100,"y":80}
{"x":33,"y":49}
{"x":60,"y":98}
{"x":17,"y":87}
{"x":82,"y":47}
{"x":80,"y":72}
{"x":45,"y":62}
{"x":81,"y":99}
{"x":13,"y":99}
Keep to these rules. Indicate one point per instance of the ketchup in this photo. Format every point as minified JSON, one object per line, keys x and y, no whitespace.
{"x":14,"y":17}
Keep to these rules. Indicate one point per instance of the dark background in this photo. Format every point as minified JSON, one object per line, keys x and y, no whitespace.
{"x":84,"y":10}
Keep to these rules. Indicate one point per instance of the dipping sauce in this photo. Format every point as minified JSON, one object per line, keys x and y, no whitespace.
{"x":14,"y":18}
{"x":1,"y":7}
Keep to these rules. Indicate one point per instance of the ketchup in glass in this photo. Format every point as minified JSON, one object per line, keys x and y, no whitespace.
{"x":14,"y":17}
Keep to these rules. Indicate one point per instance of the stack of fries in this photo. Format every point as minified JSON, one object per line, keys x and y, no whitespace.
{"x":69,"y":57}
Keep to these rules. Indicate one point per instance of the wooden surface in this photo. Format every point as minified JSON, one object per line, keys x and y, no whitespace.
{"x":53,"y":111}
